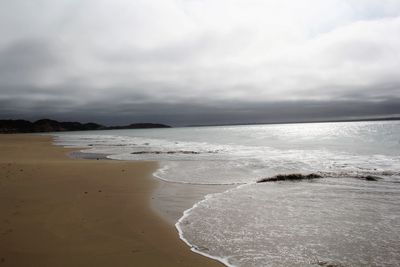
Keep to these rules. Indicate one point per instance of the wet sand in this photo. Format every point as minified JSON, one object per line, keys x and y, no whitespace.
{"x":170,"y":199}
{"x":58,"y":211}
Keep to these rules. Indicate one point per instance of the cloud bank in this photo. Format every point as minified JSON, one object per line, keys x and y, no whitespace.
{"x":199,"y":61}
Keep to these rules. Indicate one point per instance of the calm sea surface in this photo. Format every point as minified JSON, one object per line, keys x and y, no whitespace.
{"x":341,"y":219}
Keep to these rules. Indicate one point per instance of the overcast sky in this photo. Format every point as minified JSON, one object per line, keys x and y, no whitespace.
{"x":199,"y":61}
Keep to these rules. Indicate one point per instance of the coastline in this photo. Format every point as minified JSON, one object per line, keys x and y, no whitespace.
{"x":59,"y":211}
{"x":171,"y":200}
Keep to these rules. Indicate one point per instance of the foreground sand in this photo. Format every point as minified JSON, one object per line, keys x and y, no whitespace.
{"x":57,"y":211}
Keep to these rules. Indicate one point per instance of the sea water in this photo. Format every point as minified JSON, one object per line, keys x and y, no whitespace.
{"x":342,"y":219}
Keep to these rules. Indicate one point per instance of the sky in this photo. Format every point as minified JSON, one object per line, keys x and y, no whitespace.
{"x":185,"y":62}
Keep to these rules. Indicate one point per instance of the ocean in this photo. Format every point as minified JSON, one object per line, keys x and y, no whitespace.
{"x":349,"y":217}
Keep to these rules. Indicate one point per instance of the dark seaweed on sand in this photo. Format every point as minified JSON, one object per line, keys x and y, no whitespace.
{"x":165,"y":152}
{"x":300,"y":177}
{"x":328,"y":264}
{"x":290,"y":177}
{"x":370,"y":178}
{"x":173,"y":152}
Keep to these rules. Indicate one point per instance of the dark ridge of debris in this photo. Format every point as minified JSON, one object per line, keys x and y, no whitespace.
{"x":290,"y":177}
{"x":328,"y":264}
{"x":370,"y":178}
{"x":170,"y":152}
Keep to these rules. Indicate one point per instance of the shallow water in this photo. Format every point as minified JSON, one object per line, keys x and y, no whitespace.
{"x":340,"y":219}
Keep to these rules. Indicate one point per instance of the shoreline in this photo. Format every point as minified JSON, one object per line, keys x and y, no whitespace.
{"x":170,"y":200}
{"x":59,"y":211}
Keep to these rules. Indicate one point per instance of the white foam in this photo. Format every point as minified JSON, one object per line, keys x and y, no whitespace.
{"x":231,"y":164}
{"x":186,"y":213}
{"x":341,"y":221}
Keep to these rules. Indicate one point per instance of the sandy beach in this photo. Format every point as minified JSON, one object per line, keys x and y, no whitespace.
{"x":58,"y":211}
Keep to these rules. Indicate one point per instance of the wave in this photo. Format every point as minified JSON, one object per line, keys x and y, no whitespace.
{"x":288,"y":214}
{"x":187,"y":213}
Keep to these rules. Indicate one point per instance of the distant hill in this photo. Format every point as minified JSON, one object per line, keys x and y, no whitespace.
{"x":47,"y":125}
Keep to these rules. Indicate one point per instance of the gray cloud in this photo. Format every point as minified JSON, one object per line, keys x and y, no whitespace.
{"x":187,"y":62}
{"x":23,"y":62}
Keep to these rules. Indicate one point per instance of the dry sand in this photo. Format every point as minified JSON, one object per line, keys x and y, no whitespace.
{"x":58,"y":211}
